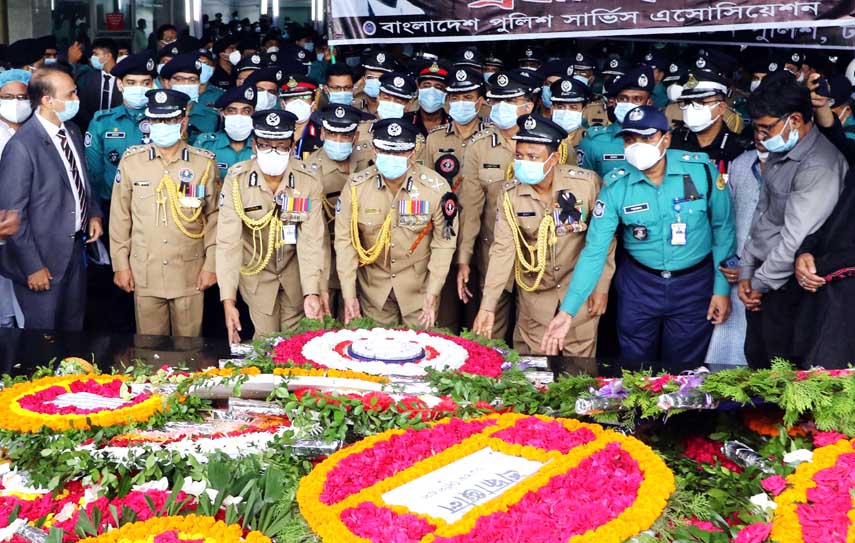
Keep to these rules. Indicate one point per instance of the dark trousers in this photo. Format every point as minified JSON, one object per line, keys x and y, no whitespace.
{"x":64,"y":305}
{"x":771,"y":331}
{"x":662,"y":319}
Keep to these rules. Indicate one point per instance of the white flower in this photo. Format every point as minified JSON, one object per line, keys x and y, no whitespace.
{"x":212,"y":494}
{"x":232,"y":500}
{"x":763,"y":502}
{"x":91,"y":493}
{"x":797,"y":457}
{"x":66,"y":512}
{"x":194,"y":488}
{"x":9,"y":531}
{"x":160,"y":484}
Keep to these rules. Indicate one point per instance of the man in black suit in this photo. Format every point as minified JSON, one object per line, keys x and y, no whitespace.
{"x":98,"y":90}
{"x":43,"y":176}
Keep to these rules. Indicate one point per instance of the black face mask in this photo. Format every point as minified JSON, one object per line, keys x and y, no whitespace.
{"x":610,"y":111}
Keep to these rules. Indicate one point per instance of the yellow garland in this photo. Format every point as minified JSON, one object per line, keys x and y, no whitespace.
{"x":188,"y":527}
{"x":536,"y":260}
{"x":15,"y":418}
{"x":258,"y":262}
{"x":297,"y":372}
{"x":653,"y":494}
{"x":786,"y":526}
{"x":384,"y":239}
{"x":166,"y":183}
{"x":563,"y":153}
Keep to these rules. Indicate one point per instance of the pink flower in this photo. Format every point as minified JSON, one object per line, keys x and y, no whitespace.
{"x":704,"y":525}
{"x":380,"y":524}
{"x":550,"y":436}
{"x":774,"y":484}
{"x":754,"y":533}
{"x":821,"y":439}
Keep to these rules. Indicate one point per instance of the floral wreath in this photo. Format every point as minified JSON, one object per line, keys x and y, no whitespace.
{"x":293,"y":372}
{"x":342,"y":498}
{"x":190,"y":529}
{"x":31,"y":406}
{"x":818,"y":503}
{"x":331,"y":349}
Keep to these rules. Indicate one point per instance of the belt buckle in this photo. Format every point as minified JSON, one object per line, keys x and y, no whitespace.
{"x":665,"y":274}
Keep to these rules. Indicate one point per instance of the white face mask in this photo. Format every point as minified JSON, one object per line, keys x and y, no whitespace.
{"x":699,"y":120}
{"x":674,"y":91}
{"x":644,"y":155}
{"x":234,"y":57}
{"x":238,"y":127}
{"x":762,"y":156}
{"x":15,"y":111}
{"x":265,"y":100}
{"x":621,"y":109}
{"x":272,"y":163}
{"x":301,"y":108}
{"x":755,"y":83}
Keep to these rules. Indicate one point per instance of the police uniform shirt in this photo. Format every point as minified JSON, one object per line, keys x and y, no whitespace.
{"x":201,"y":120}
{"x":691,"y":188}
{"x":446,"y":140}
{"x":417,"y":118}
{"x":221,"y":78}
{"x":226,"y":156}
{"x":722,"y":150}
{"x":211,"y":94}
{"x":109,"y":135}
{"x":602,"y":150}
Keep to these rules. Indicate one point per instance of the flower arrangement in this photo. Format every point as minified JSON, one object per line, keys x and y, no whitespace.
{"x":293,"y":372}
{"x":342,"y":498}
{"x":33,"y":405}
{"x":190,"y":528}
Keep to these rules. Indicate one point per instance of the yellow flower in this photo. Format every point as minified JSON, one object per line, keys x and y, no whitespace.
{"x":188,"y":527}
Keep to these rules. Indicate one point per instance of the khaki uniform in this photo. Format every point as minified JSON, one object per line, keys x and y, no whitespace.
{"x":275,"y":293}
{"x":485,"y":170}
{"x":392,"y":289}
{"x":536,"y":309}
{"x":332,"y":177}
{"x":145,"y":237}
{"x":595,"y":113}
{"x":732,"y":119}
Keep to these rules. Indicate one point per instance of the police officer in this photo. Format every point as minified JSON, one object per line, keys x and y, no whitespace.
{"x":299,"y":95}
{"x":659,"y":64}
{"x":569,"y":99}
{"x":595,"y":108}
{"x":182,"y":74}
{"x":704,"y":106}
{"x":337,"y":159}
{"x":164,"y":222}
{"x":397,"y":91}
{"x":111,"y":132}
{"x":247,"y":66}
{"x":532,"y":58}
{"x":232,"y":145}
{"x":469,"y":58}
{"x":432,"y":86}
{"x":492,"y":65}
{"x":674,"y":80}
{"x":164,"y":55}
{"x":225,"y":51}
{"x":601,"y":149}
{"x":266,"y":82}
{"x":675,"y":215}
{"x":208,"y":92}
{"x":552,"y":71}
{"x":486,"y":166}
{"x":396,"y":231}
{"x":271,"y":238}
{"x":547,"y":206}
{"x":367,"y":91}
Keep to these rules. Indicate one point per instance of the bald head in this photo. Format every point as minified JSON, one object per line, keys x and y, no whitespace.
{"x":49,"y":83}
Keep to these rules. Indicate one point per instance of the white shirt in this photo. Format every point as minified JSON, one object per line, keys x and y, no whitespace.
{"x":360,"y":8}
{"x":52,"y":131}
{"x":6,"y":133}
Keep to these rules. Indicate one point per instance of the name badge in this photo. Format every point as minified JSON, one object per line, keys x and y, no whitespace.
{"x":114,"y":135}
{"x":678,"y":233}
{"x":141,"y":183}
{"x":637,"y":208}
{"x":253,"y":208}
{"x":289,"y":234}
{"x":222,"y":166}
{"x":526,"y":213}
{"x":613,"y":157}
{"x":491,"y":166}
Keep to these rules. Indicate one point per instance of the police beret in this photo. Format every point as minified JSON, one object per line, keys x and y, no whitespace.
{"x":272,"y":75}
{"x":581,"y":61}
{"x":165,"y":103}
{"x":398,"y":85}
{"x":537,"y":129}
{"x":616,"y":66}
{"x":340,"y":118}
{"x":270,"y":59}
{"x":24,"y":53}
{"x":510,"y":84}
{"x":561,"y":68}
{"x":136,"y":64}
{"x":655,"y":59}
{"x":569,"y":90}
{"x":224,"y":43}
{"x":426,"y":53}
{"x":206,"y":54}
{"x":244,"y":94}
{"x":250,"y":62}
{"x":676,"y":72}
{"x":644,"y":120}
{"x":703,"y":84}
{"x":297,"y":85}
{"x":464,"y":80}
{"x":395,"y":135}
{"x":379,"y":61}
{"x":170,"y":51}
{"x":638,"y":78}
{"x":493,"y":61}
{"x":435,"y":71}
{"x":273,"y":124}
{"x":188,"y":63}
{"x":841,"y":89}
{"x":725,"y":61}
{"x":796,"y":58}
{"x":533,"y":53}
{"x":469,"y":57}
{"x":47,"y":42}
{"x":247,"y":41}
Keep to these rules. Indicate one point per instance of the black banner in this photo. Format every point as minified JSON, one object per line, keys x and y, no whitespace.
{"x":413,"y":21}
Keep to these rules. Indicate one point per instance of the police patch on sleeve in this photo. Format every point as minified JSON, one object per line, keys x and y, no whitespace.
{"x":118,"y":178}
{"x":580,"y":156}
{"x":222,"y":199}
{"x":338,"y":205}
{"x":599,"y":209}
{"x":87,"y":140}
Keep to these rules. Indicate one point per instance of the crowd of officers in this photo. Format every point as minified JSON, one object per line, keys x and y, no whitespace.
{"x":473,"y":191}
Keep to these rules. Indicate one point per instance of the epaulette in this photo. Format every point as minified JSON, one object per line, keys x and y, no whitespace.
{"x":438,"y":128}
{"x":363,"y":176}
{"x":134,"y":149}
{"x":480,"y":135}
{"x":695,"y":157}
{"x":211,"y":136}
{"x":308,"y":168}
{"x":202,"y":152}
{"x":429,"y":179}
{"x":614,"y":175}
{"x":596,"y":130}
{"x":574,"y":171}
{"x":103,"y":113}
{"x":238,"y":167}
{"x":510,"y":184}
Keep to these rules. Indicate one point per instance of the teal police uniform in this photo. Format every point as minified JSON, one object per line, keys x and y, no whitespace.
{"x":601,"y":150}
{"x":201,"y":120}
{"x":674,"y":237}
{"x":660,"y":96}
{"x":110,"y":134}
{"x":210,"y":95}
{"x":220,"y":144}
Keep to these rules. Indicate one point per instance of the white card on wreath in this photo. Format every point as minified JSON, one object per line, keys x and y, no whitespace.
{"x":87,"y":400}
{"x":452,"y":490}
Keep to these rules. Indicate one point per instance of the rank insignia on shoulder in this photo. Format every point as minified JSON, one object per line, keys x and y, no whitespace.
{"x":599,"y":209}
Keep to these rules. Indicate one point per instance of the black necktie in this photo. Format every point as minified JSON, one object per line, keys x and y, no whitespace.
{"x":75,"y":173}
{"x":106,"y":81}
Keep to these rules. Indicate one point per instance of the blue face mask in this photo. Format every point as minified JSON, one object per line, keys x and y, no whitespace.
{"x":581,"y":79}
{"x":567,"y":119}
{"x":190,"y":90}
{"x":372,"y":87}
{"x":528,"y":172}
{"x":265,"y":100}
{"x":207,"y":74}
{"x":431,"y":99}
{"x":309,"y":46}
{"x":546,"y":95}
{"x":621,"y":109}
{"x":504,"y":115}
{"x":462,"y":112}
{"x":71,"y":109}
{"x":389,"y":110}
{"x":391,"y":166}
{"x":320,"y":57}
{"x":338,"y":150}
{"x":49,"y":61}
{"x":159,"y":68}
{"x":135,"y":97}
{"x":165,"y":135}
{"x":353,"y":62}
{"x":776,"y":144}
{"x":341,"y":97}
{"x":487,"y":76}
{"x":96,"y":62}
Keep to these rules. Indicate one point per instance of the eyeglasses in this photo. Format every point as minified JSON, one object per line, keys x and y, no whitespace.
{"x":697,"y":105}
{"x":278,"y":149}
{"x":345,"y":88}
{"x":767,"y":128}
{"x":175,"y":120}
{"x":14,"y":97}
